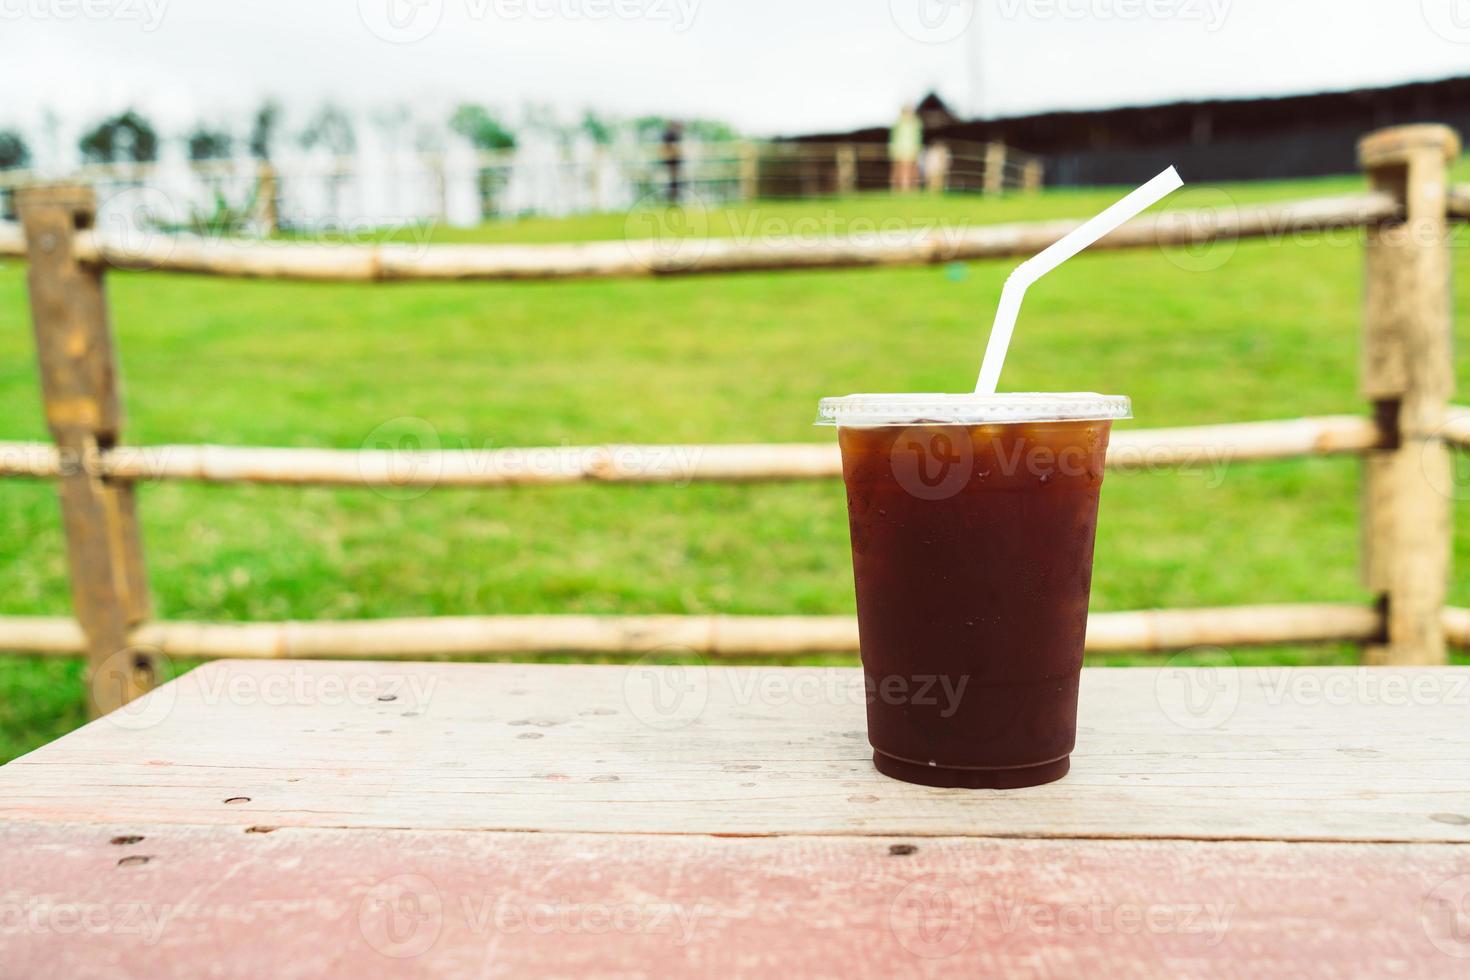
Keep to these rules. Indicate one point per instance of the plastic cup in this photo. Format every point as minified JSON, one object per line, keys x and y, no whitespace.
{"x":973,"y":519}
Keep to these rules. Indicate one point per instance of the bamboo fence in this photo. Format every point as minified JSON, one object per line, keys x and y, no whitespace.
{"x":677,"y":255}
{"x":1143,"y":449}
{"x":1405,"y":440}
{"x":715,"y":636}
{"x":716,"y":172}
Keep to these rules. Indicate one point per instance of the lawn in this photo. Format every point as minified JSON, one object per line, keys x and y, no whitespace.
{"x":1265,"y":329}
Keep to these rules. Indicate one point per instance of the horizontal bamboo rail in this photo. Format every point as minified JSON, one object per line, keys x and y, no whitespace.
{"x":1180,"y":629}
{"x":266,"y":259}
{"x":1139,"y":449}
{"x":1458,"y":203}
{"x":1456,"y":429}
{"x":1457,"y":627}
{"x":642,"y":257}
{"x":12,"y":241}
{"x":716,"y":636}
{"x":1323,"y":435}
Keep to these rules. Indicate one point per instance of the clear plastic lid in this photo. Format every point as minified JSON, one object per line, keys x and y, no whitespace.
{"x":856,"y":411}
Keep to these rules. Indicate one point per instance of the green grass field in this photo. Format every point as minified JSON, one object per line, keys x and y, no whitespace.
{"x":1265,"y":329}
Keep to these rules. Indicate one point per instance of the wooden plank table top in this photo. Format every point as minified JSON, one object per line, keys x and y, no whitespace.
{"x":305,"y":819}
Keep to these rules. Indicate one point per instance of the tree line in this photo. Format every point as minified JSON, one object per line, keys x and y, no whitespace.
{"x":130,"y":137}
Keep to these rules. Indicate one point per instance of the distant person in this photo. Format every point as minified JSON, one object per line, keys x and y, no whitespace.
{"x":673,"y":157}
{"x":905,"y":141}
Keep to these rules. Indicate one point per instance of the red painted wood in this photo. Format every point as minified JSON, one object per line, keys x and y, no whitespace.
{"x":86,"y":900}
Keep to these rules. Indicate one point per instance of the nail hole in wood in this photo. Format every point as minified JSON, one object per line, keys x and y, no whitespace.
{"x":259,"y":830}
{"x":238,"y":799}
{"x":901,"y":850}
{"x":133,"y":860}
{"x":387,"y":697}
{"x":126,"y":839}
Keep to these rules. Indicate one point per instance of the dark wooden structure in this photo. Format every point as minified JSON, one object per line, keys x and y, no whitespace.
{"x":1216,"y":140}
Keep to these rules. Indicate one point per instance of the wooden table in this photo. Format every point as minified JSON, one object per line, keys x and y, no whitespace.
{"x":274,"y":819}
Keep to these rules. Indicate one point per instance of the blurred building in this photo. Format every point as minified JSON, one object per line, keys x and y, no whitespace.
{"x":1216,"y":140}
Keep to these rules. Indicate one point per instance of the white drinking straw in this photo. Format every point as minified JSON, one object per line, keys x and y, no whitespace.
{"x":1054,"y":255}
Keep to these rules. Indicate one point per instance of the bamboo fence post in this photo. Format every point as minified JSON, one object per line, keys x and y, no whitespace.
{"x":750,"y":169}
{"x":1406,"y":374}
{"x":440,"y":178}
{"x":594,"y":179}
{"x":846,"y":168}
{"x":995,"y":167}
{"x":937,"y":160}
{"x":267,"y":197}
{"x":1031,"y":175}
{"x":80,"y":387}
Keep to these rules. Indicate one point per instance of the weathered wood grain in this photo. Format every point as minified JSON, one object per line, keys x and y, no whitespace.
{"x":1322,"y":754}
{"x":81,"y":391}
{"x":220,"y":901}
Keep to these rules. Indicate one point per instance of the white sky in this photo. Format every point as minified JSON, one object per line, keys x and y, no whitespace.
{"x":768,"y":66}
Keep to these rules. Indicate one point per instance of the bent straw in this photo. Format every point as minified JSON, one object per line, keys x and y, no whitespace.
{"x":1054,"y":255}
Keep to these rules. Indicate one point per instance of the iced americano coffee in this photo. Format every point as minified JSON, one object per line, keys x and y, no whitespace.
{"x":973,"y":519}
